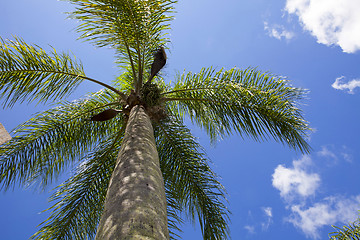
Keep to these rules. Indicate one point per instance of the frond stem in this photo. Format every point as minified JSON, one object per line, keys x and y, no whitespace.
{"x":187,"y":99}
{"x":131,"y":60}
{"x":123,"y":96}
{"x":138,"y":83}
{"x":82,"y":114}
{"x":189,"y":89}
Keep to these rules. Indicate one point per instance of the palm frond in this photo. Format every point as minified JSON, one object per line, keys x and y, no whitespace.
{"x":248,"y":102}
{"x":79,"y":201}
{"x":27,"y":72}
{"x":134,"y":28}
{"x":349,"y":232}
{"x":193,"y":185}
{"x":173,"y":214}
{"x":50,"y":141}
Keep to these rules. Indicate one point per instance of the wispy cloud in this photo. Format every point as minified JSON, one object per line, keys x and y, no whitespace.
{"x":325,"y":213}
{"x":268,"y":213}
{"x":350,"y":86}
{"x":325,"y":152}
{"x":332,"y":22}
{"x":335,"y":154}
{"x":278,"y":31}
{"x":347,"y":157}
{"x":250,"y":229}
{"x":259,"y":223}
{"x":295,"y":181}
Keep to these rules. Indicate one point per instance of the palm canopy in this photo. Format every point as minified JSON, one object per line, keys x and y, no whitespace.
{"x":248,"y":102}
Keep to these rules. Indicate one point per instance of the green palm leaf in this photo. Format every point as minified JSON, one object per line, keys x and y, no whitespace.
{"x":79,"y":201}
{"x":50,"y":141}
{"x":134,"y":28}
{"x":27,"y":73}
{"x":187,"y":175}
{"x":248,"y":102}
{"x":349,"y":232}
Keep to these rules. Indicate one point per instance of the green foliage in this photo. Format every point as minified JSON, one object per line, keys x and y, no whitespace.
{"x":27,"y":72}
{"x":350,"y":232}
{"x":47,"y":143}
{"x":188,"y":177}
{"x":79,"y":201}
{"x":249,"y":102}
{"x":134,"y":28}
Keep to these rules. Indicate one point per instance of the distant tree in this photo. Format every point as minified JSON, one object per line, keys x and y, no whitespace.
{"x":349,"y":232}
{"x":139,"y":169}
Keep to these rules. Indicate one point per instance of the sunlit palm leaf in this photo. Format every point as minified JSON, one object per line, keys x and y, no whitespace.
{"x":79,"y":201}
{"x":27,"y":72}
{"x":187,"y":175}
{"x":53,"y":139}
{"x":350,"y":232}
{"x":134,"y":28}
{"x":248,"y":102}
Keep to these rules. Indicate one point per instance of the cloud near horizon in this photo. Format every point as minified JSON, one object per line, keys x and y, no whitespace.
{"x":332,"y":22}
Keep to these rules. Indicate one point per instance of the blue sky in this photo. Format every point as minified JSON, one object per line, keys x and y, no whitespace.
{"x":274,"y":192}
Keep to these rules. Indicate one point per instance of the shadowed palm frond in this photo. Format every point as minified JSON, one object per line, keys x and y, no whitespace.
{"x":79,"y":201}
{"x":27,"y":72}
{"x":53,"y":139}
{"x":193,"y":185}
{"x":174,"y":215}
{"x":248,"y":102}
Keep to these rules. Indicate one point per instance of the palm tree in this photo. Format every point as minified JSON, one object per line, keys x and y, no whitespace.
{"x":139,"y":169}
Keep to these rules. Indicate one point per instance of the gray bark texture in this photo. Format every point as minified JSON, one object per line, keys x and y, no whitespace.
{"x":4,"y":135}
{"x":135,"y":205}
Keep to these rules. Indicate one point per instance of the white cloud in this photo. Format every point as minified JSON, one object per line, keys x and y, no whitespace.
{"x":347,"y":157}
{"x":325,"y":152}
{"x":330,"y":154}
{"x":268,"y":212}
{"x":350,"y":86}
{"x":278,"y":31}
{"x":332,"y":22}
{"x":250,"y":229}
{"x":331,"y":210}
{"x":295,"y":181}
{"x":296,"y":185}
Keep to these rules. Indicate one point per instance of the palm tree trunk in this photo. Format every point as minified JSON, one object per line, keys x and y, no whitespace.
{"x":135,"y":205}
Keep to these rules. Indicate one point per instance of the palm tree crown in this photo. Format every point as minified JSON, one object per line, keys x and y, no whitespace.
{"x":89,"y":131}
